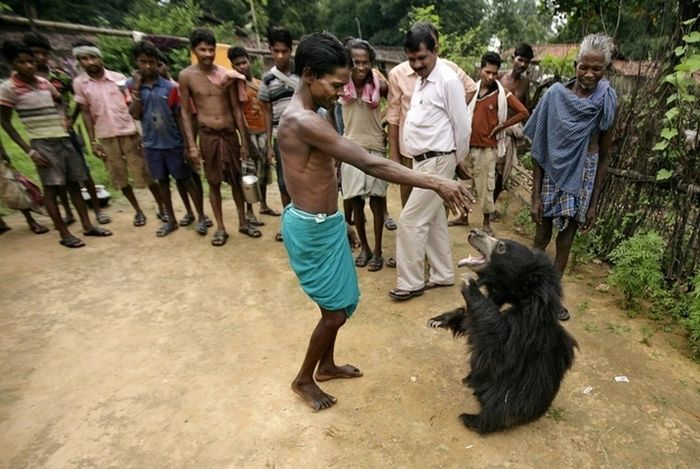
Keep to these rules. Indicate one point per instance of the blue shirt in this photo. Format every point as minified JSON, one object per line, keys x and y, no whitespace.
{"x":161,"y":103}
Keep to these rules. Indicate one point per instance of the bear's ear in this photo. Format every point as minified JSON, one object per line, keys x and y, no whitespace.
{"x":501,"y":247}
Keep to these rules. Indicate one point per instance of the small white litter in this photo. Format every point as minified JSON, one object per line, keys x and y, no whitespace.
{"x":588,"y":390}
{"x":622,"y":379}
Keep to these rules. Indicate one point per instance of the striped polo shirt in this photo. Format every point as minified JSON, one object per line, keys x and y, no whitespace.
{"x":278,"y":93}
{"x":35,"y":105}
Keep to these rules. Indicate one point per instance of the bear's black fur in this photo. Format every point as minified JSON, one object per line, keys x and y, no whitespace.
{"x":519,"y":351}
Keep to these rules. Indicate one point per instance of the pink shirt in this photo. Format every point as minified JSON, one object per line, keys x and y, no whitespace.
{"x":105,"y":99}
{"x":402,"y":81}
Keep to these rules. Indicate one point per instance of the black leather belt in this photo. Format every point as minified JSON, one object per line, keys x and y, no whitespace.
{"x":431,"y":154}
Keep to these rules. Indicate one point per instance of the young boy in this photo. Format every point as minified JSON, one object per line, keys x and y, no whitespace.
{"x":156,"y":102}
{"x":39,"y":108}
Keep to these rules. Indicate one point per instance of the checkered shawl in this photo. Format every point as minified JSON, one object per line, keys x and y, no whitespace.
{"x":562,"y":206}
{"x":560,"y":129}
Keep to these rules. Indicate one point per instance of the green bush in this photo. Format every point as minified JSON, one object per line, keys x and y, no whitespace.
{"x":637,"y":268}
{"x":692,"y":323}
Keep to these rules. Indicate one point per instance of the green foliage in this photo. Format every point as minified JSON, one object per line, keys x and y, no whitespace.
{"x":116,"y":53}
{"x":523,"y":221}
{"x":647,"y":334}
{"x":559,"y":66}
{"x":692,"y":323}
{"x":581,"y":251}
{"x":556,"y":413}
{"x":637,"y":269}
{"x":683,"y":112}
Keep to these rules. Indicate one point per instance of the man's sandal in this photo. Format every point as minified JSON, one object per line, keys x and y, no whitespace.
{"x":139,"y":219}
{"x":72,"y":242}
{"x":219,"y":238}
{"x":376,"y":263}
{"x":403,"y":295}
{"x":97,"y":232}
{"x":251,"y":231}
{"x":166,"y":229}
{"x":103,"y":218}
{"x":187,"y":220}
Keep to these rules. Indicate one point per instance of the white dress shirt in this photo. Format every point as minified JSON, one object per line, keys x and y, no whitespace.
{"x":438,"y":119}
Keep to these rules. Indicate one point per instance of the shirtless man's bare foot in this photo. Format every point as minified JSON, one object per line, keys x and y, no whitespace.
{"x":313,"y":395}
{"x":344,"y":371}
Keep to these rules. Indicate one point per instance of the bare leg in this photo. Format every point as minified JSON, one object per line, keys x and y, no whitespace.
{"x":487,"y":221}
{"x":215,"y":199}
{"x":564,"y":241}
{"x":79,"y":203}
{"x":63,"y":196}
{"x":34,"y":226}
{"x":239,"y":199}
{"x":181,"y":185}
{"x":358,"y":214}
{"x":155,"y":190}
{"x":378,"y":206}
{"x":498,"y":188}
{"x":543,"y":234}
{"x":94,"y":201}
{"x":321,"y":348}
{"x":50,"y":194}
{"x":128,"y":192}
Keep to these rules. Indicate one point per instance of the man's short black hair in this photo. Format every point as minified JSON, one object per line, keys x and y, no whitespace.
{"x":320,"y":52}
{"x":491,"y":58}
{"x":200,"y":35}
{"x":429,"y":26}
{"x":12,"y":49}
{"x":524,"y":51}
{"x":146,"y":48}
{"x":36,"y":40}
{"x":279,"y":35}
{"x":237,"y":51}
{"x":163,"y":57}
{"x":83,"y":42}
{"x":417,"y":35}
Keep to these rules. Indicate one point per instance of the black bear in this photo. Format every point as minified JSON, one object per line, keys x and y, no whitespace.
{"x":519,"y":351}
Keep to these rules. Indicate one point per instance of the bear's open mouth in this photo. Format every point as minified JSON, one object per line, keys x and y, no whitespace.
{"x":473,"y":261}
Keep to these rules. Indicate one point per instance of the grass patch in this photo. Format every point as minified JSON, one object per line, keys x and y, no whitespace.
{"x":619,"y":329}
{"x":590,"y":327}
{"x":556,"y":414}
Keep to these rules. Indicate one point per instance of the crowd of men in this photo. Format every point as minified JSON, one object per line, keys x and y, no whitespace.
{"x":317,"y":126}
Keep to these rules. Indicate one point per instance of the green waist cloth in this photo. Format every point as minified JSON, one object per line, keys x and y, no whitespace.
{"x":320,"y":256}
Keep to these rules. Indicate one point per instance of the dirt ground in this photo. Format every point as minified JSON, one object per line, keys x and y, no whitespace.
{"x":137,"y":351}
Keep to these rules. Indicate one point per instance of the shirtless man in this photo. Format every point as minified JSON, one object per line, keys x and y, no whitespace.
{"x":314,"y":231}
{"x":219,"y":116}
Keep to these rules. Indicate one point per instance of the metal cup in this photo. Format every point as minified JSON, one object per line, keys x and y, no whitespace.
{"x":251,"y":189}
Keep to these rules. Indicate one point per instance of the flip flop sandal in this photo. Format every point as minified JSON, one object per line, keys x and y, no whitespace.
{"x":97,"y":232}
{"x":391,"y":263}
{"x":201,"y":228}
{"x":390,"y":224}
{"x":278,"y":237}
{"x":166,"y":229}
{"x":208,"y":222}
{"x":219,"y":238}
{"x":403,"y":295}
{"x":139,"y":219}
{"x":431,"y":285}
{"x":103,"y":218}
{"x":254,"y":222}
{"x":36,"y":229}
{"x":68,"y":221}
{"x":251,"y":231}
{"x":5,"y":229}
{"x":187,"y":220}
{"x":376,"y":263}
{"x":363,"y":259}
{"x":271,"y":212}
{"x":488,"y":230}
{"x":162,"y":216}
{"x":72,"y":242}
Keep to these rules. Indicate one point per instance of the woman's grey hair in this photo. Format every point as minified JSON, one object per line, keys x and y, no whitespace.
{"x":597,"y":44}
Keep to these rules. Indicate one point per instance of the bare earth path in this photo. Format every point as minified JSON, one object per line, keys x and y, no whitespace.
{"x":138,"y":351}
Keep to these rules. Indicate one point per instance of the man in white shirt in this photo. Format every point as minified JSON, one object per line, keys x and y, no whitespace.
{"x":436,"y":135}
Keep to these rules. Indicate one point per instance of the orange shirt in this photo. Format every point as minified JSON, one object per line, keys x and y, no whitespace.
{"x":485,"y":118}
{"x":252,"y":108}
